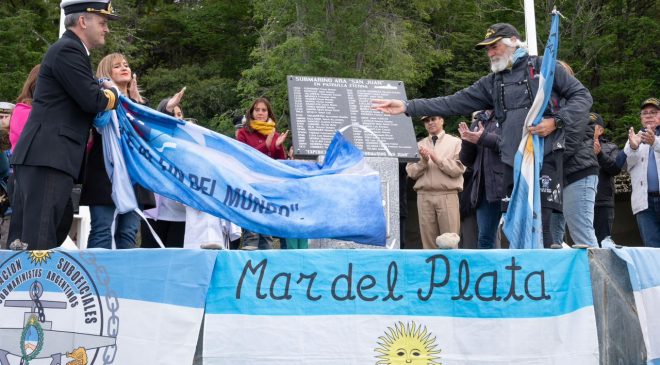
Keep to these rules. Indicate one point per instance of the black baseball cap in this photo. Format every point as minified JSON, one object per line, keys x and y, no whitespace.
{"x":596,"y":118}
{"x":496,"y":32}
{"x":238,"y":121}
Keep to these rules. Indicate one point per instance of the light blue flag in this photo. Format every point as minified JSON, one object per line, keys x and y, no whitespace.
{"x":522,"y":222}
{"x":98,"y":306}
{"x":216,"y":174}
{"x":644,"y":269}
{"x":357,"y":307}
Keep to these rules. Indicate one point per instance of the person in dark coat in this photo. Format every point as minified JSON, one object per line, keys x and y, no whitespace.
{"x":607,"y":153}
{"x":403,"y":203}
{"x":580,"y":173}
{"x":510,"y":91}
{"x":48,"y":157}
{"x":97,"y":188}
{"x":469,"y":229}
{"x":480,"y":150}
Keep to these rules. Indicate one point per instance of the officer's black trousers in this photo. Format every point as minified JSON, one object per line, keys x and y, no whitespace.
{"x":42,"y":212}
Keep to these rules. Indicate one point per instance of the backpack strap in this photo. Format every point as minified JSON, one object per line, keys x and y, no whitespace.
{"x":498,"y":105}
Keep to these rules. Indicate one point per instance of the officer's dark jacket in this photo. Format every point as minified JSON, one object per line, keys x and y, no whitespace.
{"x":66,"y":99}
{"x":510,"y":94}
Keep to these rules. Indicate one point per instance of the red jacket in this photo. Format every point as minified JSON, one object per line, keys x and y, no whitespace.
{"x":258,"y":141}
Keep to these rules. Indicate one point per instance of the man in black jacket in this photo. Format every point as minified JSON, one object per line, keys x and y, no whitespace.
{"x":607,"y":153}
{"x":49,"y":154}
{"x":510,"y":90}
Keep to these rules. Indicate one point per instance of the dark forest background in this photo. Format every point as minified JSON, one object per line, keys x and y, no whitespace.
{"x":228,"y":52}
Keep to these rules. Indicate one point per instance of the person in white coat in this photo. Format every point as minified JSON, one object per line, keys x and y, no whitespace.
{"x":206,"y":231}
{"x":643,"y":159}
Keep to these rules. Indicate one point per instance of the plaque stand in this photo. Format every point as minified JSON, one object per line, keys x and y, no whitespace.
{"x":320,"y":106}
{"x":388,"y":168}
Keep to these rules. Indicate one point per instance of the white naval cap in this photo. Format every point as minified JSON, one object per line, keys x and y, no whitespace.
{"x":6,"y":107}
{"x":100,"y":7}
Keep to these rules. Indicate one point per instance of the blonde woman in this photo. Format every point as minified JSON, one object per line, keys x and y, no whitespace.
{"x":97,"y":189}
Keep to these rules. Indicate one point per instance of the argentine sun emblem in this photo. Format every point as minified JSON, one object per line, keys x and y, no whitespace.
{"x":407,"y":344}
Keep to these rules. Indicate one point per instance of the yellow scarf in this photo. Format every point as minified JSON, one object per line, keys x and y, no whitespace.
{"x":262,"y":127}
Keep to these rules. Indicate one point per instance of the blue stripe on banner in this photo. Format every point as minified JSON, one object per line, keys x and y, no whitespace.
{"x":643,"y":264}
{"x":499,"y":284}
{"x":168,"y":276}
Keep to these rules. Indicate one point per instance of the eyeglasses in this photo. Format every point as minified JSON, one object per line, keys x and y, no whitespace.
{"x":653,"y":113}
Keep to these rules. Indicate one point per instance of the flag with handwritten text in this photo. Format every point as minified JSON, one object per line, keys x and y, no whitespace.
{"x":340,"y":198}
{"x":358,"y":307}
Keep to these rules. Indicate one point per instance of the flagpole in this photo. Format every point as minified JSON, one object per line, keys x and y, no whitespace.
{"x":61,"y":22}
{"x":530,"y":28}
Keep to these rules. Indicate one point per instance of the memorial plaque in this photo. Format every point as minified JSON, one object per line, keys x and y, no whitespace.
{"x":319,"y":106}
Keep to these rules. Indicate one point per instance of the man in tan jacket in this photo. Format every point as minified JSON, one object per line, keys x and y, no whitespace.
{"x":439,"y":176}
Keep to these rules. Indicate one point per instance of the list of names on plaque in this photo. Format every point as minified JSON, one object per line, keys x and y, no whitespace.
{"x":320,"y":106}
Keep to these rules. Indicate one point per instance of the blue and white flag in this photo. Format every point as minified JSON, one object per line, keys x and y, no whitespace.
{"x":99,"y":307}
{"x":522,"y":221}
{"x":361,"y":307}
{"x":644,"y":270}
{"x":216,"y":174}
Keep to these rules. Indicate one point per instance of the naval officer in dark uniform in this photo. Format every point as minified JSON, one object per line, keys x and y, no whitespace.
{"x":50,"y":152}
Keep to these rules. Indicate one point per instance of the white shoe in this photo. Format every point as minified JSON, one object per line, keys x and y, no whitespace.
{"x":211,"y":246}
{"x":581,"y":245}
{"x":447,"y":241}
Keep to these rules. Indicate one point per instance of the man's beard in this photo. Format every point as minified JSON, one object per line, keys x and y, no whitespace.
{"x":498,"y":64}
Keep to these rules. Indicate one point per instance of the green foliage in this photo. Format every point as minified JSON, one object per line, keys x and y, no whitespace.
{"x":613,"y":48}
{"x":375,"y":40}
{"x":207,"y":95}
{"x":229,"y":52}
{"x":27,"y":28}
